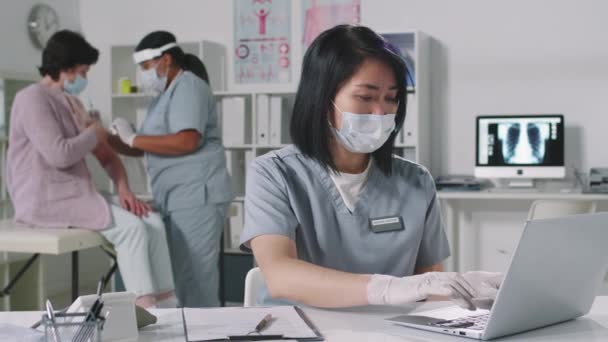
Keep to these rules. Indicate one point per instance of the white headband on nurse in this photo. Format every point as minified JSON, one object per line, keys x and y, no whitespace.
{"x":148,"y":54}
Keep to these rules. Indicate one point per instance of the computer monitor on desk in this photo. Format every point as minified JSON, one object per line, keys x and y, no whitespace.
{"x":520,"y":148}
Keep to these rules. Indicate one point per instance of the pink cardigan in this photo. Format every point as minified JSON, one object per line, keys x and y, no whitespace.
{"x":47,"y":177}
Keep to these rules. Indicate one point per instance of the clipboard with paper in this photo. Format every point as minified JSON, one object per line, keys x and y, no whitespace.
{"x":237,"y":323}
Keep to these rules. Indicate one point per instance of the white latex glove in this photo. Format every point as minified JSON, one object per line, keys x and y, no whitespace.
{"x":389,"y":290}
{"x":486,"y":285}
{"x":124,"y":130}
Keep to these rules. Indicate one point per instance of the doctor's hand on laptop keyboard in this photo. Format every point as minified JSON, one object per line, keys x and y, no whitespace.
{"x":486,"y":285}
{"x":389,"y":290}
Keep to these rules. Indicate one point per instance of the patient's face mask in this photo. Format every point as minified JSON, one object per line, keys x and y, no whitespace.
{"x":364,"y":133}
{"x":76,"y":86}
{"x":151,"y":82}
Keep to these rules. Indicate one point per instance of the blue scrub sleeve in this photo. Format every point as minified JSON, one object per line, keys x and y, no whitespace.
{"x":267,"y":207}
{"x":189,"y":106}
{"x":434,"y":247}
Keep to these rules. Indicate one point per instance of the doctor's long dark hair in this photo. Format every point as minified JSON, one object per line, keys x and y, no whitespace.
{"x":186,"y":61}
{"x":331,"y":60}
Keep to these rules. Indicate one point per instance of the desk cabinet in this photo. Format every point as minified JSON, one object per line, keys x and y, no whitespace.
{"x":484,"y":227}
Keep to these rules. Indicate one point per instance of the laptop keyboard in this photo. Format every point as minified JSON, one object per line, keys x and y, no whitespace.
{"x":477,"y":322}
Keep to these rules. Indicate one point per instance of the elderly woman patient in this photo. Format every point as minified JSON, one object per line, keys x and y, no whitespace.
{"x":50,"y":185}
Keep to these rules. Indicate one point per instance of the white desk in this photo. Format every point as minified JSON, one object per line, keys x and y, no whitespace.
{"x":483,"y":227}
{"x":368,"y":324}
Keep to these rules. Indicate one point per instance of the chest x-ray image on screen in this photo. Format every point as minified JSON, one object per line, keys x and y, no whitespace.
{"x":524,"y":142}
{"x":523,"y":146}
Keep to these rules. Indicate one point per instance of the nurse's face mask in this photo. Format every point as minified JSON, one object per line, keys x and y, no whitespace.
{"x":150,"y":80}
{"x":364,"y":133}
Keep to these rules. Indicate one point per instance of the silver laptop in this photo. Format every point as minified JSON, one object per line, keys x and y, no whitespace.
{"x":553,"y":277}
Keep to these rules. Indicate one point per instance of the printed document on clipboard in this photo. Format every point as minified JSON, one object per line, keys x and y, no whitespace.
{"x":239,"y":323}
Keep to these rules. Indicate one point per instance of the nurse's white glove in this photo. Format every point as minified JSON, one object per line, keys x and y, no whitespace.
{"x":124,"y":130}
{"x":486,"y":285}
{"x":389,"y":290}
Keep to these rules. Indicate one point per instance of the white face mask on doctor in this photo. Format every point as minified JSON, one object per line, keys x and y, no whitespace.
{"x":364,"y":133}
{"x":151,"y":82}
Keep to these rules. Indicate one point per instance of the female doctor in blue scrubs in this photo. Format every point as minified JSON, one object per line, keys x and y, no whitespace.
{"x":185,"y":163}
{"x":337,"y":220}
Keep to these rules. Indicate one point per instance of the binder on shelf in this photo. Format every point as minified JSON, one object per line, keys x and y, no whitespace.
{"x":276,"y":114}
{"x":235,"y":166}
{"x":263,"y":119}
{"x":249,"y":156}
{"x":236,"y":224}
{"x":410,"y":125}
{"x":233,"y":120}
{"x":218,"y":112}
{"x":409,"y":153}
{"x":399,"y":138}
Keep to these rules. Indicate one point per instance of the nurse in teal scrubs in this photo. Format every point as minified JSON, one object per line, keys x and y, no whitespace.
{"x":185,"y":161}
{"x":336,"y":219}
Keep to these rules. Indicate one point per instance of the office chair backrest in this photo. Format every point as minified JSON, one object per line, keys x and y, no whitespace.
{"x":543,"y":209}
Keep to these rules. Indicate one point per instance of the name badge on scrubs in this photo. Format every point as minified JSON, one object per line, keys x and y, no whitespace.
{"x":386,"y":224}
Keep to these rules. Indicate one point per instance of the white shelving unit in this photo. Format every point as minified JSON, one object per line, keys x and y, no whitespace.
{"x":251,"y":143}
{"x":239,"y":155}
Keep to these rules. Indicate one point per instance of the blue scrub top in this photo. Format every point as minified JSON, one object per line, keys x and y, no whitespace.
{"x":292,"y":195}
{"x":198,"y":178}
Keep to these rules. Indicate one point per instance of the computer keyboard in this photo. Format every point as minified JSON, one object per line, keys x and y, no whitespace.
{"x":477,"y":322}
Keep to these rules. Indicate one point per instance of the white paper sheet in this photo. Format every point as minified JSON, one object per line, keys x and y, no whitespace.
{"x":219,"y":323}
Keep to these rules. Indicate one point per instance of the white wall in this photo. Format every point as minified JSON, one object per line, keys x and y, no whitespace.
{"x":510,"y":56}
{"x":19,"y":56}
{"x":488,"y":57}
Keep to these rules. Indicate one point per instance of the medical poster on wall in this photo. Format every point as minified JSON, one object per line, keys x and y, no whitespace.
{"x":262,"y":37}
{"x":320,"y":15}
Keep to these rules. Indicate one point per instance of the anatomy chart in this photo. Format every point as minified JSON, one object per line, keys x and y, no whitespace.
{"x":320,"y":15}
{"x":262,"y":38}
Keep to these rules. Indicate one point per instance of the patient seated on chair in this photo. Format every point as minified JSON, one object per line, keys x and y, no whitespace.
{"x":50,"y":185}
